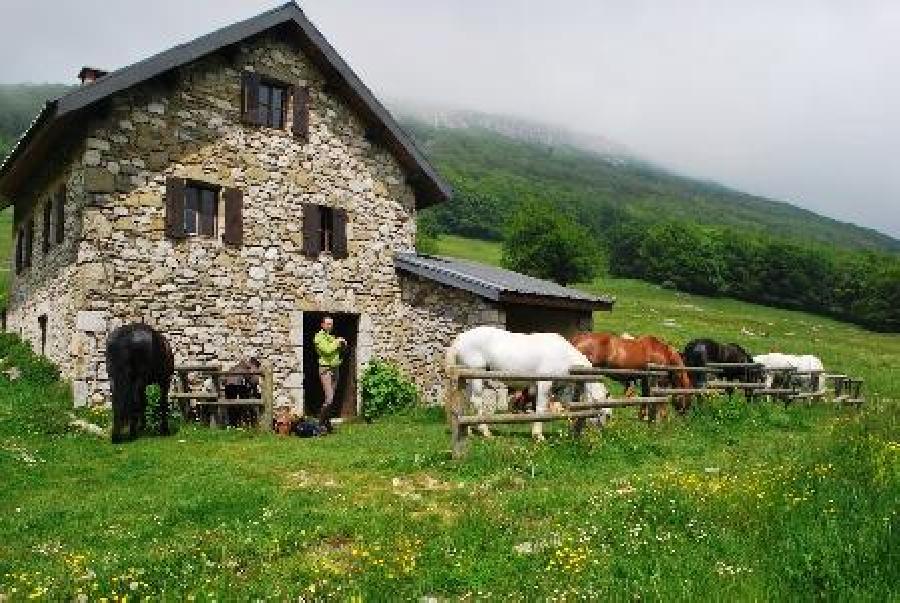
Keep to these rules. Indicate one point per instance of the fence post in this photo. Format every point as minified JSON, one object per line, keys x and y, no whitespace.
{"x":454,"y":405}
{"x":267,"y":398}
{"x":580,"y":395}
{"x":646,"y":391}
{"x":457,"y":436}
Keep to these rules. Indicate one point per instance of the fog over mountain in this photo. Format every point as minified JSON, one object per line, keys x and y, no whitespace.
{"x":790,"y":100}
{"x":513,"y":127}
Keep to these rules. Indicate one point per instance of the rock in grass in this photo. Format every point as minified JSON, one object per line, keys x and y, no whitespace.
{"x":89,"y":428}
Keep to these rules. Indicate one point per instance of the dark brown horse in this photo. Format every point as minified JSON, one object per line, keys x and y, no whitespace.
{"x":611,"y":351}
{"x":137,"y":355}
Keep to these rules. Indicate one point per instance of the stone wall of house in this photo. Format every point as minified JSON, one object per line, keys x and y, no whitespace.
{"x":50,"y":286}
{"x":435,"y":314}
{"x":215,"y":302}
{"x":218,"y":303}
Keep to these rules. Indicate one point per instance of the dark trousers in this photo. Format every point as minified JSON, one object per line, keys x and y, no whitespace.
{"x":329,"y":377}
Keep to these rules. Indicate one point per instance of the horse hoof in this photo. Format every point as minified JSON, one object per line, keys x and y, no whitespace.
{"x":538,"y":437}
{"x":485,"y":432}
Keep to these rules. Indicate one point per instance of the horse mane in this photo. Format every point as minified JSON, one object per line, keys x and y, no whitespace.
{"x":747,"y":357}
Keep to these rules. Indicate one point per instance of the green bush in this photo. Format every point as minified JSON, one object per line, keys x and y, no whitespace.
{"x":426,"y":236}
{"x":14,"y":353}
{"x":385,"y":390}
{"x":546,"y":243}
{"x":153,"y":414}
{"x":32,"y":398}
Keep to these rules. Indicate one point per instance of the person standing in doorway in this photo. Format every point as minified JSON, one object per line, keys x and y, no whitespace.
{"x":328,"y":351}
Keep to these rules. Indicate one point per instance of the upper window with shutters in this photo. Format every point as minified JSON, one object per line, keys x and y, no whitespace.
{"x":201,"y":210}
{"x":193,"y":211}
{"x":273,"y":104}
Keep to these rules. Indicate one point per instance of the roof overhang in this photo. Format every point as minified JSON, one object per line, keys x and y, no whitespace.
{"x":496,"y":293}
{"x":51,"y":124}
{"x":562,"y":303}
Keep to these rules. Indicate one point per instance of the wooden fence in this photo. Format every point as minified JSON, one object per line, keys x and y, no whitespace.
{"x":214,"y":404}
{"x":578,"y":411}
{"x":846,"y":390}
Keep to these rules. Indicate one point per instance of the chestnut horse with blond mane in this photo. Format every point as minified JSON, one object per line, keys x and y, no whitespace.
{"x":611,"y":351}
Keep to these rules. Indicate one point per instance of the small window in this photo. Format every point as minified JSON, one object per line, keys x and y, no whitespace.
{"x":46,"y":241}
{"x":327,"y":242}
{"x":42,"y":323}
{"x":28,"y":242}
{"x":59,"y":215}
{"x":201,"y":210}
{"x":272,"y":103}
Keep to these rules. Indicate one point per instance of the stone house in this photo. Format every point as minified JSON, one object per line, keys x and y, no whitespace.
{"x":230,"y":191}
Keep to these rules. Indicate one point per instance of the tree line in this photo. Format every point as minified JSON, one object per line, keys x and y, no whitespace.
{"x":858,"y":286}
{"x":555,"y":243}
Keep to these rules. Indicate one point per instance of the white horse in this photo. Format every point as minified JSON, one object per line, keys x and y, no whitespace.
{"x":542,"y":353}
{"x":809,"y":368}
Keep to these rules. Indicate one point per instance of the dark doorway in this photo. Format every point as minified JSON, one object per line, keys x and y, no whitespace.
{"x":346,"y":326}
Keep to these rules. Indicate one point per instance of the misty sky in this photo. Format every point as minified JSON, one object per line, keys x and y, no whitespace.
{"x":793,"y":99}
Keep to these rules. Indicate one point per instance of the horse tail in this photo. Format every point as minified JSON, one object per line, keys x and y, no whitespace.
{"x":681,"y":379}
{"x":681,"y":376}
{"x":450,"y":354}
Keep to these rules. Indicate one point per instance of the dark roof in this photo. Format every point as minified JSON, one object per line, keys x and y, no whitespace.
{"x":49,"y":125}
{"x":498,"y":284}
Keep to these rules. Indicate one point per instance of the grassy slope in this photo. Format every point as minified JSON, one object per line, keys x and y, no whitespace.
{"x":514,"y":171}
{"x":644,"y":308}
{"x":731,"y":502}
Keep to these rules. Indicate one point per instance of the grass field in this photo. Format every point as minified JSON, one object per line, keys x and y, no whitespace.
{"x":731,"y":502}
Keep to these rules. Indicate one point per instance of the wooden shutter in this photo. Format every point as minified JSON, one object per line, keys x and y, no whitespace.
{"x":301,"y":112}
{"x":29,"y":242}
{"x":45,"y":227}
{"x":312,"y":230}
{"x":234,"y":221}
{"x":60,"y":214}
{"x":339,"y":234}
{"x":250,"y":97}
{"x":19,"y":250}
{"x":175,"y":207}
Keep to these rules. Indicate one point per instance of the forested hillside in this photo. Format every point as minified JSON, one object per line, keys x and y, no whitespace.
{"x":688,"y":235}
{"x":19,"y":104}
{"x":495,"y":174}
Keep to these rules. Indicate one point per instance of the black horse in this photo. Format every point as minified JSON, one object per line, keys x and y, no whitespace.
{"x":700,"y":352}
{"x":137,"y":356}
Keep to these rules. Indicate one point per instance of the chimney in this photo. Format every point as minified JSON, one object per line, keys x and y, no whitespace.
{"x":89,"y":75}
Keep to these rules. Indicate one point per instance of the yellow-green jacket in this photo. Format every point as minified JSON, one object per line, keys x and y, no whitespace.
{"x":328,"y":349}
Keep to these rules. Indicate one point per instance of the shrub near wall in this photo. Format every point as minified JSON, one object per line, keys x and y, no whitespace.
{"x":32,"y":399}
{"x":385,"y":390}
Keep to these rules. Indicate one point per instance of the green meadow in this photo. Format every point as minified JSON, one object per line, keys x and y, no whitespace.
{"x":730,"y":502}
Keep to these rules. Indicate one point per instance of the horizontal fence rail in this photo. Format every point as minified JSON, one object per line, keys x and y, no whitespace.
{"x":215,"y":402}
{"x":576,"y":376}
{"x":735,"y":365}
{"x":687,"y":369}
